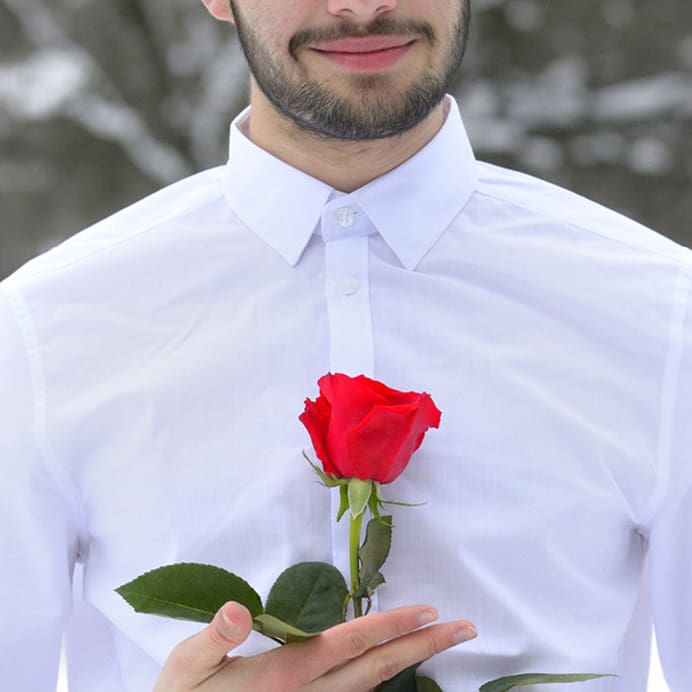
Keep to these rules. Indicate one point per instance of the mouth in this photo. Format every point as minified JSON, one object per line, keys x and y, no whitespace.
{"x":367,"y":54}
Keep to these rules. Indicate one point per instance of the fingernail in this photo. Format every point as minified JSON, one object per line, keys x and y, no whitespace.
{"x":428,"y":616}
{"x":231,"y":627}
{"x":465,"y":633}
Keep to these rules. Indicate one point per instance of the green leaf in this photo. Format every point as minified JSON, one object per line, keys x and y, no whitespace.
{"x":359,"y":492}
{"x":276,"y":629}
{"x":424,"y":684}
{"x":309,"y":596}
{"x":407,"y":681}
{"x":189,"y":591}
{"x":373,"y":554}
{"x":509,"y":683}
{"x":403,"y":682}
{"x":378,"y":542}
{"x":366,"y":589}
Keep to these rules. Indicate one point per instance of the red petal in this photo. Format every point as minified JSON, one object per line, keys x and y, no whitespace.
{"x":382,"y":445}
{"x":369,"y":430}
{"x":315,"y":418}
{"x":351,"y":400}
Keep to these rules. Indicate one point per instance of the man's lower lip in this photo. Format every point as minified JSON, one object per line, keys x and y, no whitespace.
{"x":370,"y":61}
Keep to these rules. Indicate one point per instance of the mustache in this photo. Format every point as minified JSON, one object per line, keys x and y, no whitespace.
{"x":380,"y":26}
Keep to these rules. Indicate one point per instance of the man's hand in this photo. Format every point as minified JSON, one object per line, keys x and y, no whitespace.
{"x":352,"y":657}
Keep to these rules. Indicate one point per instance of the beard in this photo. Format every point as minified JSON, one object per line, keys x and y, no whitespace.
{"x":375,"y":112}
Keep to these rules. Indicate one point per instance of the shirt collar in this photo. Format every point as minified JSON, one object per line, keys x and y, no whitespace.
{"x":411,"y":206}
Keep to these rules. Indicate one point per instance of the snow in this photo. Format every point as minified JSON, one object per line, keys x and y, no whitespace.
{"x":38,"y":87}
{"x":644,"y":99}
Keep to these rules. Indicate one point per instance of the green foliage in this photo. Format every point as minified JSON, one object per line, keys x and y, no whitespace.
{"x":403,"y":682}
{"x":279,"y":631}
{"x":509,"y":683}
{"x":189,"y":591}
{"x":373,"y":554}
{"x":408,"y":681}
{"x":309,"y":596}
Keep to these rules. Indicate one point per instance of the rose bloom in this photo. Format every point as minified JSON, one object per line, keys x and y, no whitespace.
{"x":360,"y":428}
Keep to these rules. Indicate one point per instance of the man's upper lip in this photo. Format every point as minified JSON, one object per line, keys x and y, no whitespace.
{"x":367,"y":44}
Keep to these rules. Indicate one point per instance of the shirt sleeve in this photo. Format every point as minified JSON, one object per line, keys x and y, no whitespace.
{"x":671,"y":531}
{"x":38,"y":536}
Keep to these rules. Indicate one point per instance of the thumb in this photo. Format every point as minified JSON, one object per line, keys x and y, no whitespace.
{"x":198,"y":657}
{"x":230,"y":627}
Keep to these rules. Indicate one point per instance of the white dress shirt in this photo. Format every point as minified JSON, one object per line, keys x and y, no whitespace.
{"x":153,"y":367}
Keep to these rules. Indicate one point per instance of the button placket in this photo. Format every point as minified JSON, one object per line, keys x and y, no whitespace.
{"x":346,"y":233}
{"x":348,"y":298}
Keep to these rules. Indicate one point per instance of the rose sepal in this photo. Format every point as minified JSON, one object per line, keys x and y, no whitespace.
{"x":343,"y":504}
{"x":375,"y":501}
{"x":359,"y":494}
{"x":376,"y":504}
{"x":328,"y":480}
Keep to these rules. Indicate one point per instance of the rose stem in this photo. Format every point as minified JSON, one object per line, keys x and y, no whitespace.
{"x":356,"y":524}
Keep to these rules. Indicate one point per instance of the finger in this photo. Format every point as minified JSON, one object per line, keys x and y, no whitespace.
{"x":387,"y":660}
{"x":352,"y":639}
{"x":199,"y":656}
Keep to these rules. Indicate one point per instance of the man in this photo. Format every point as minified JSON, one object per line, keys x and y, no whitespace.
{"x":152,"y":367}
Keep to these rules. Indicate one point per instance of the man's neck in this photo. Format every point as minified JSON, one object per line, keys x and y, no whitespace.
{"x":345,"y":166}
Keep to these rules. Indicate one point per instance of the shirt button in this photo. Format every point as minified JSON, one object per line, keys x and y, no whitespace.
{"x":345,"y":217}
{"x":347,"y":286}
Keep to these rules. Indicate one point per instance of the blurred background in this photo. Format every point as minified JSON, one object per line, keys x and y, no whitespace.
{"x":104,"y":102}
{"x":101,"y":103}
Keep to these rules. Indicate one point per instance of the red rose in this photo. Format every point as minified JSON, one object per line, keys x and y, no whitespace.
{"x":360,"y":428}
